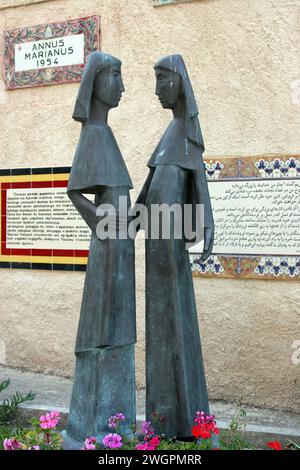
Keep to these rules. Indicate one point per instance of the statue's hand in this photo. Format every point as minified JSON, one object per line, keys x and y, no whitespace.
{"x":110,"y":224}
{"x":137,"y":212}
{"x":208,"y":243}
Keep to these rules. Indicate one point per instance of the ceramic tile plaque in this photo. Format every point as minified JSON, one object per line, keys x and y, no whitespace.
{"x":40,"y":228}
{"x":49,"y":54}
{"x":256,"y":207}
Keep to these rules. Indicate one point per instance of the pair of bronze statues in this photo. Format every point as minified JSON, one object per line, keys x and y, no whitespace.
{"x":104,"y":382}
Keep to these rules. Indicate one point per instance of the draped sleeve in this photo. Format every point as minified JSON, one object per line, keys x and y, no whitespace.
{"x":198,"y":194}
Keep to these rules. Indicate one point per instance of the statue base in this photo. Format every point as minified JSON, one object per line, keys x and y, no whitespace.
{"x":104,"y":384}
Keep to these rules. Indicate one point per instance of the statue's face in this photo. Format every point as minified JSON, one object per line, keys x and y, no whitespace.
{"x":108,"y":86}
{"x":168,"y":87}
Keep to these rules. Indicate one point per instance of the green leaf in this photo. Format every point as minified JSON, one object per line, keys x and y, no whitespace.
{"x":9,"y":405}
{"x":4,"y":385}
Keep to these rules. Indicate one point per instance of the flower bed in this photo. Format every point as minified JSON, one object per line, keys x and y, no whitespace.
{"x":44,"y":434}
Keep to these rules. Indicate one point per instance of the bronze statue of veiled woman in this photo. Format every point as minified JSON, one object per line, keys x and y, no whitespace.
{"x":104,"y":381}
{"x":175,"y":379}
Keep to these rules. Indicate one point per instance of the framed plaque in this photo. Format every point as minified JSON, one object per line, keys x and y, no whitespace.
{"x":256,"y":207}
{"x":49,"y":54}
{"x":39,"y":226}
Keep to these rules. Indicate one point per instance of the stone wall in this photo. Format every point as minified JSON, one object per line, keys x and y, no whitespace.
{"x":17,"y":3}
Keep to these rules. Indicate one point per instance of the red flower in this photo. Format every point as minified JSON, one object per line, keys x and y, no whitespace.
{"x":196,"y":431}
{"x":275,"y":445}
{"x":201,"y":431}
{"x":205,"y":434}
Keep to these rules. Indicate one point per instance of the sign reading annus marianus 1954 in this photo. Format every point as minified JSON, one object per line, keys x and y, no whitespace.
{"x":57,"y":52}
{"x":50,"y":53}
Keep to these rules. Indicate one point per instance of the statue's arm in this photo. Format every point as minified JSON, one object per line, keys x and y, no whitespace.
{"x":144,"y":191}
{"x":141,"y":200}
{"x":86,"y":208}
{"x":201,"y":196}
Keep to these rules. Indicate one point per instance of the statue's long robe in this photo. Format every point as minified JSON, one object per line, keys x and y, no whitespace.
{"x":104,"y":373}
{"x":175,"y":378}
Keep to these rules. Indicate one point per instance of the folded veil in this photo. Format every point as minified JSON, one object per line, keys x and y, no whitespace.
{"x":175,"y":63}
{"x":187,"y":153}
{"x":98,"y":61}
{"x":98,"y":160}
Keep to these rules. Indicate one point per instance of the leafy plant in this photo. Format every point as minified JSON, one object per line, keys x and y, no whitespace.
{"x":233,"y":437}
{"x":5,"y":432}
{"x":292,"y":445}
{"x":9,"y":405}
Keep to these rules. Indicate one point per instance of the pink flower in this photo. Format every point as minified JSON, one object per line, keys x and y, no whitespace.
{"x":142,"y":446}
{"x":149,"y":445}
{"x":202,"y":418}
{"x":115,"y":420}
{"x":112,"y":441}
{"x":49,"y":420}
{"x":147,"y":429}
{"x":154,"y":443}
{"x":34,"y":448}
{"x":11,"y":444}
{"x":89,"y":443}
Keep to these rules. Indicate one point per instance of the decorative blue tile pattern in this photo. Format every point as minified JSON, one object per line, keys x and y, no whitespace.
{"x":278,"y":168}
{"x":278,"y":266}
{"x":213,"y":169}
{"x":211,"y":265}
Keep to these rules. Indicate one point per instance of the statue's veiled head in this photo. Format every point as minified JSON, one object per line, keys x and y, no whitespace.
{"x":101,"y":81}
{"x":173,"y":84}
{"x":168,"y":87}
